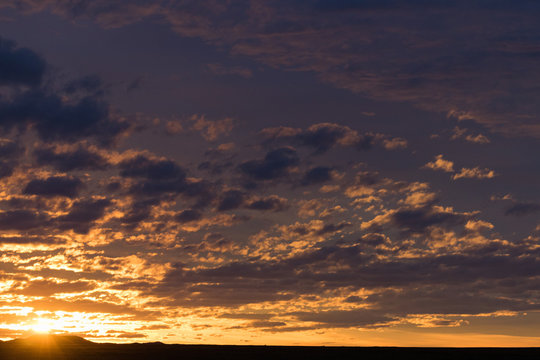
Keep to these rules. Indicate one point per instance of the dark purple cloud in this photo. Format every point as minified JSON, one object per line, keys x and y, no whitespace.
{"x":67,"y":186}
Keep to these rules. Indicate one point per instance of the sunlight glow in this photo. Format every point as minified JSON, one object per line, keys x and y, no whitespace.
{"x":43,"y":326}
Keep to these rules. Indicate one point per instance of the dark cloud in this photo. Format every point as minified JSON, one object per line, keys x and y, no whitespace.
{"x":143,"y":167}
{"x":31,"y":240}
{"x":157,"y":180}
{"x":388,"y":50}
{"x":522,"y":209}
{"x":367,"y":178}
{"x":156,"y":177}
{"x":10,"y":152}
{"x":317,"y":175}
{"x":418,"y":220}
{"x":268,"y":203}
{"x":6,"y":168}
{"x":83,"y":214}
{"x":230,"y":200}
{"x":54,"y":186}
{"x":203,"y":192}
{"x":188,"y":216}
{"x":77,"y":159}
{"x":215,"y":242}
{"x":53,"y":116}
{"x":140,"y":210}
{"x":415,"y":284}
{"x":22,"y":220}
{"x":325,"y":136}
{"x":322,"y":137}
{"x":20,"y":66}
{"x":332,"y":228}
{"x":446,"y":299}
{"x":56,"y":120}
{"x":346,"y":318}
{"x":275,"y":164}
{"x":9,"y":149}
{"x":267,"y":324}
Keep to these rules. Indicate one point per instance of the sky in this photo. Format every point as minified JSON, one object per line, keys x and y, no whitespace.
{"x":345,"y":172}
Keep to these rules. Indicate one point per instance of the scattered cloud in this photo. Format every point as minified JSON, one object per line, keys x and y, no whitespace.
{"x":440,"y":164}
{"x":474,"y":173}
{"x":211,"y":130}
{"x":461,"y":133}
{"x":276,"y":228}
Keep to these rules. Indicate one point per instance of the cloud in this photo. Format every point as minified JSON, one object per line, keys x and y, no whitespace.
{"x":475,"y":173}
{"x":418,"y":220}
{"x":389,"y":53}
{"x":154,"y":180}
{"x":522,"y":209}
{"x":154,"y":176}
{"x":318,"y":175}
{"x":440,"y":164}
{"x":22,"y":220}
{"x":76,"y":112}
{"x":332,"y":228}
{"x":276,"y":164}
{"x":231,"y":199}
{"x":139,"y":211}
{"x":374,"y":252}
{"x":79,"y":158}
{"x":20,"y":66}
{"x":57,"y":120}
{"x":268,"y":203}
{"x":211,"y":130}
{"x":395,"y":143}
{"x":236,"y":199}
{"x":392,"y":284}
{"x":189,"y":215}
{"x":342,"y":318}
{"x":460,"y":133}
{"x":10,"y":152}
{"x":153,"y":169}
{"x":215,"y":242}
{"x":324,"y":136}
{"x":174,"y":127}
{"x":67,"y":186}
{"x":48,"y":288}
{"x":83,"y":214}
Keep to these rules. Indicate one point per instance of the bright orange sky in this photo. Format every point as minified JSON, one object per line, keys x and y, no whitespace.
{"x":261,"y":172}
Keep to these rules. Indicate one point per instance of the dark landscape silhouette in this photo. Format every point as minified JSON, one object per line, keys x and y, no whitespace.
{"x":73,"y":347}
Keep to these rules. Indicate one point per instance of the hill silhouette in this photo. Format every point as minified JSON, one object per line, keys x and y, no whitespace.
{"x":60,"y":340}
{"x":68,"y":347}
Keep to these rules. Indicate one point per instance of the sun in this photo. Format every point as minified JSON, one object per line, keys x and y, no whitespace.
{"x":42,"y":327}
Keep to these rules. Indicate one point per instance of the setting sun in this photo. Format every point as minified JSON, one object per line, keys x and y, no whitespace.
{"x":42,"y":327}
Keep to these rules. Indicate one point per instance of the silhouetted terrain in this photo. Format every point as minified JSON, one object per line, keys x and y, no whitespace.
{"x":73,"y":347}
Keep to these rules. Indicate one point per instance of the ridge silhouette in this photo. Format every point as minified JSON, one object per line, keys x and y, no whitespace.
{"x":72,"y":347}
{"x":52,"y":338}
